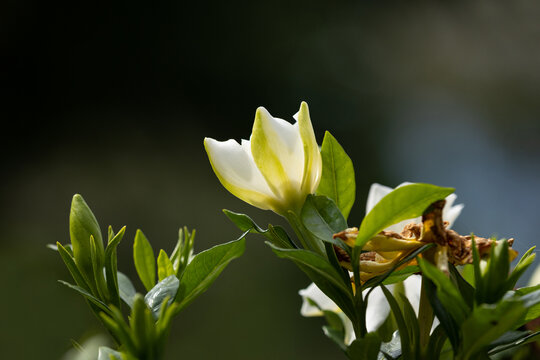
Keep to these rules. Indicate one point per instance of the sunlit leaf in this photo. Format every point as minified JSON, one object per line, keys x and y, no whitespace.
{"x":337,"y":180}
{"x":143,"y":256}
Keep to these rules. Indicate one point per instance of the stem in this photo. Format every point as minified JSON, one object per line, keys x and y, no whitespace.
{"x":302,"y":234}
{"x":425,"y":319}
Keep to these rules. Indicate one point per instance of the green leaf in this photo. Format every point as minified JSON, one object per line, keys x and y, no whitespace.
{"x":446,"y":320}
{"x":323,"y":219}
{"x":366,"y":348}
{"x":401,"y":275}
{"x":142,"y":325}
{"x":413,"y":326}
{"x":72,"y":267}
{"x":143,"y":256}
{"x":100,"y":304}
{"x":466,"y":290}
{"x":496,"y":273}
{"x":405,"y":202}
{"x":82,"y":225}
{"x":489,"y":322}
{"x":183,"y":251}
{"x":165,"y":266}
{"x":337,"y":180}
{"x":531,"y":301}
{"x":525,"y":261}
{"x":166,"y":288}
{"x":97,"y":265}
{"x":406,"y":350}
{"x":478,"y":280}
{"x":447,"y":293}
{"x":126,"y":289}
{"x":436,"y":343}
{"x":116,"y":324}
{"x":205,"y":267}
{"x":323,"y":274}
{"x":513,"y":339}
{"x":111,"y":267}
{"x":276,"y":235}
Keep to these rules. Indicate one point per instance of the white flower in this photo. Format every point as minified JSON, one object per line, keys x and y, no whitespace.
{"x":378,"y":309}
{"x":324,"y":303}
{"x":276,"y":168}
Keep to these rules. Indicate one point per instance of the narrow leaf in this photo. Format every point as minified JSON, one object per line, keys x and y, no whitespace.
{"x":447,"y":292}
{"x":143,"y":256}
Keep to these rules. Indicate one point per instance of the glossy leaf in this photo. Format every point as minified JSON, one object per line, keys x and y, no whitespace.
{"x":275,"y":234}
{"x":143,"y":256}
{"x":126,"y":289}
{"x":205,"y":267}
{"x":405,"y":202}
{"x":165,"y":266}
{"x":513,"y":339}
{"x":166,"y":288}
{"x":323,"y":219}
{"x":337,"y":179}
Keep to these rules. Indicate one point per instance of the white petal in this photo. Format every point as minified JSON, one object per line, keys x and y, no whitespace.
{"x":376,"y":193}
{"x":378,"y":309}
{"x":348,"y":329}
{"x":413,"y":286}
{"x":235,"y":168}
{"x":317,"y":296}
{"x":452,"y":214}
{"x":449,"y":201}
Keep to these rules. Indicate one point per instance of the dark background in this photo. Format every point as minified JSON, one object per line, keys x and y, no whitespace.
{"x":112,"y":100}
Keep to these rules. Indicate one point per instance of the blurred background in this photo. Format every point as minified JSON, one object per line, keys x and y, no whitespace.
{"x":112,"y":100}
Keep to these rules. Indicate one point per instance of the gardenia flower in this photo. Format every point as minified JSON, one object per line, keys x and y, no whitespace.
{"x":378,"y":308}
{"x":276,"y":168}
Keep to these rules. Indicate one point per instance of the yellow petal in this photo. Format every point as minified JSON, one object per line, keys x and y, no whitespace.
{"x":277,"y":151}
{"x":312,"y":155}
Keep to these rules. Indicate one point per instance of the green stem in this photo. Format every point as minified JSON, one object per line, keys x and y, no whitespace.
{"x":307,"y":241}
{"x":425,"y":319}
